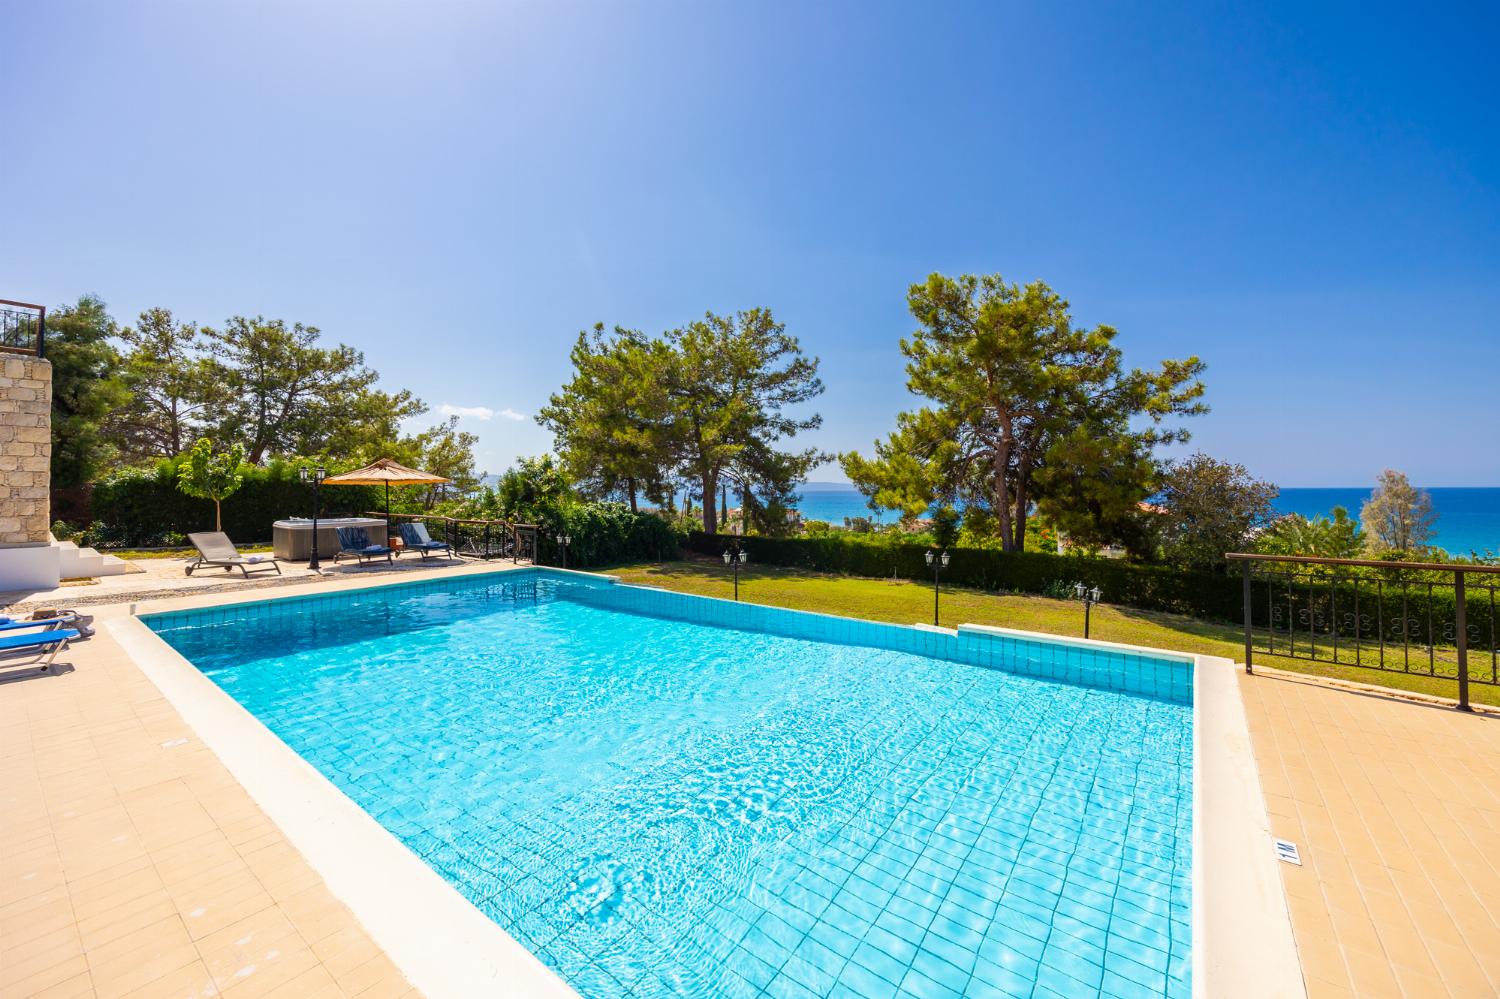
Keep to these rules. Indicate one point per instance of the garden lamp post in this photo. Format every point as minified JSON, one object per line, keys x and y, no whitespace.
{"x":938,"y":563}
{"x":1089,"y":598}
{"x":314,"y":475}
{"x":563,"y":541}
{"x":736,"y":557}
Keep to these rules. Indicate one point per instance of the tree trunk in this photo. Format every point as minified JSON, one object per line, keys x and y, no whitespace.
{"x":218,"y":523}
{"x":1002,"y":495}
{"x":1023,"y":498}
{"x":1020,"y":519}
{"x":630,"y":485}
{"x":710,"y":511}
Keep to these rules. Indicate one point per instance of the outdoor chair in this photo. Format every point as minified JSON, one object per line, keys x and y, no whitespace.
{"x":215,"y":550}
{"x":354,"y":542}
{"x":415,"y":537}
{"x":44,"y":644}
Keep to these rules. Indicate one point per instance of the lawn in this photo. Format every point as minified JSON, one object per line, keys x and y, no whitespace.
{"x":905,"y":602}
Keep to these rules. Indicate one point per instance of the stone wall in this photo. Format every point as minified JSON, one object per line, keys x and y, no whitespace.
{"x":25,"y":449}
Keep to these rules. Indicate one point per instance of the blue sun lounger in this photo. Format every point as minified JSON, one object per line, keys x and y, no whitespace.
{"x":9,"y":624}
{"x":44,"y":644}
{"x":415,"y":537}
{"x":355,"y":543}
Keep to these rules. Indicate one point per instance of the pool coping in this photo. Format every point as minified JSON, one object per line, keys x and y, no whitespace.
{"x":1242,"y":934}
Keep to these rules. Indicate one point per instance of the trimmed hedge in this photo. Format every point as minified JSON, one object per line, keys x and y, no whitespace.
{"x":142,"y":507}
{"x":1148,"y":587}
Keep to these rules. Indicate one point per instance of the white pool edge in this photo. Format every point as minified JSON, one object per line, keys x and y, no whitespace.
{"x":441,"y":942}
{"x":1241,"y":926}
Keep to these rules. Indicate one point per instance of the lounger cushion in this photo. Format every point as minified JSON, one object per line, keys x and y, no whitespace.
{"x":39,"y":639}
{"x":9,"y":625}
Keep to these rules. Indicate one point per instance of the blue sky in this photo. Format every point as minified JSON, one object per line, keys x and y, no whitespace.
{"x":1309,"y":200}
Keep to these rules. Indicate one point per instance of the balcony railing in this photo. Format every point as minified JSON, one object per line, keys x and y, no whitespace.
{"x":23,"y":328}
{"x":1428,"y":619}
{"x":481,"y":539}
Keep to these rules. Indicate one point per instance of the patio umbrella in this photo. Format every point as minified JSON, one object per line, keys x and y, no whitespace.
{"x":386,"y":472}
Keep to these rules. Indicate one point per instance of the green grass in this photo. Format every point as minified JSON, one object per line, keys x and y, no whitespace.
{"x":905,"y":602}
{"x":135,"y":553}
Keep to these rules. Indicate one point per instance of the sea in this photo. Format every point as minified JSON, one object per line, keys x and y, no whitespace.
{"x":1468,"y":518}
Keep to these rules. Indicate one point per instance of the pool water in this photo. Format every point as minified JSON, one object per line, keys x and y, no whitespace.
{"x":661,"y":806}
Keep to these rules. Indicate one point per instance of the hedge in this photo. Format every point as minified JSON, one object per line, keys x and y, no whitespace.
{"x":608,"y":534}
{"x":1147,"y":587}
{"x":1322,"y":605}
{"x":140,"y":507}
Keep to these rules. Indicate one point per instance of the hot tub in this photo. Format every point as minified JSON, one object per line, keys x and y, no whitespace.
{"x":292,"y":539}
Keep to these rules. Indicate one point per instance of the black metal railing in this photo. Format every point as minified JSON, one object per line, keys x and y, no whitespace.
{"x":23,"y":328}
{"x":480,"y":539}
{"x":1427,"y":619}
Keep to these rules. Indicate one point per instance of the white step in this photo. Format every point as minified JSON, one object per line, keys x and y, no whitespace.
{"x":84,"y":563}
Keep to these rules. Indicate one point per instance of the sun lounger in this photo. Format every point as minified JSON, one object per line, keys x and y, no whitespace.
{"x":415,"y":537}
{"x":355,"y":543}
{"x":215,"y":550}
{"x":43,"y":644}
{"x":46,"y":622}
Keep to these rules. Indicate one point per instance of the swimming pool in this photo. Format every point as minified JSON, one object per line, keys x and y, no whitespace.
{"x":660,"y":794}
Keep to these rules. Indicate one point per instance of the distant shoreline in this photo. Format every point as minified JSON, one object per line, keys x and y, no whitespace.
{"x":1468,"y":516}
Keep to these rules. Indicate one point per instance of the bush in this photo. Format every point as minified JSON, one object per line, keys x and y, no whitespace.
{"x":1147,"y":587}
{"x":144,"y":507}
{"x":608,"y":534}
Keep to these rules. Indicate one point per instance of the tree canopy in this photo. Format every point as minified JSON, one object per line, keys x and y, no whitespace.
{"x":282,"y":391}
{"x":171,"y":383}
{"x":610,"y":422}
{"x":127,"y":397}
{"x":212,"y":475}
{"x":1023,"y":407}
{"x":86,"y":389}
{"x":1398,"y":517}
{"x":711,"y":403}
{"x":1208,"y":508}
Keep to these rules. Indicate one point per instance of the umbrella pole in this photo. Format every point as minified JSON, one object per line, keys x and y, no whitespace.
{"x":387,"y":514}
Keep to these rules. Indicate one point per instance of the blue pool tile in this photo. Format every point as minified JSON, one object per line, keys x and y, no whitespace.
{"x":965,"y":829}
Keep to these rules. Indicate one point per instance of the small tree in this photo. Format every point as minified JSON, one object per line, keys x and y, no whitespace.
{"x":206,"y":475}
{"x":1210,"y":507}
{"x":1320,"y":537}
{"x":1397,"y":516}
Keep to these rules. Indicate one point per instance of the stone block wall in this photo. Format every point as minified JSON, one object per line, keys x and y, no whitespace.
{"x":25,"y":449}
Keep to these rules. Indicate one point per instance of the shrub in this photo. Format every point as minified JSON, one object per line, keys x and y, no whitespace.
{"x":608,"y":534}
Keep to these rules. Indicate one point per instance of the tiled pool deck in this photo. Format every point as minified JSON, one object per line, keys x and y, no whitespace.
{"x":135,"y":864}
{"x":1396,"y":808}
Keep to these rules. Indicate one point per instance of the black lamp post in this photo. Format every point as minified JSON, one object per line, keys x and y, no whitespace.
{"x":938,"y":563}
{"x":1089,"y":598}
{"x":314,"y":475}
{"x":736,"y":557}
{"x":563,"y":541}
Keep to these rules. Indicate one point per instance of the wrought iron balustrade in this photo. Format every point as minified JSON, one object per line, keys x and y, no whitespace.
{"x":474,"y":538}
{"x":23,"y":328}
{"x":1418,"y":618}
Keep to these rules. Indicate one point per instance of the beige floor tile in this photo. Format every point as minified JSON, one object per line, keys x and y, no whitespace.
{"x":263,"y":949}
{"x":62,"y":975}
{"x":191,"y":981}
{"x":77,"y":987}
